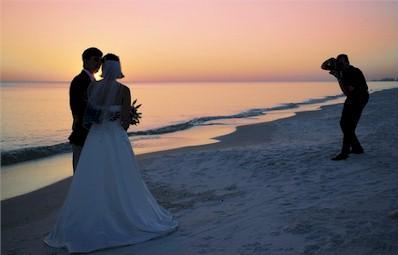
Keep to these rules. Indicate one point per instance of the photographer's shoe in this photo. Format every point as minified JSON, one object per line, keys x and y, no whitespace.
{"x":341,"y":156}
{"x":357,"y":151}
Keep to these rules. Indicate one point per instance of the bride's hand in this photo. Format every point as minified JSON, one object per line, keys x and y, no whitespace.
{"x":125,"y":125}
{"x":115,"y":116}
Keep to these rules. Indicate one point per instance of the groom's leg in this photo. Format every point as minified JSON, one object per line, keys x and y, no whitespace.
{"x":76,"y":155}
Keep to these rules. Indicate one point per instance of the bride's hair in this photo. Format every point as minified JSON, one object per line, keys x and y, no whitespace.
{"x":103,"y":94}
{"x":112,"y":57}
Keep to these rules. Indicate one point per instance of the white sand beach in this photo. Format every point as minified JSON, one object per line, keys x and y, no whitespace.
{"x":268,"y":188}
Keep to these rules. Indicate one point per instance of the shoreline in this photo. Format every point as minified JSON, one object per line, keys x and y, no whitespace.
{"x":39,"y":150}
{"x":47,"y":164}
{"x":229,"y":140}
{"x":30,"y":154}
{"x":181,"y":186}
{"x":19,"y":173}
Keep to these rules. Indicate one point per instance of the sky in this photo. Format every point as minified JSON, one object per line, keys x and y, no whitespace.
{"x":201,"y":40}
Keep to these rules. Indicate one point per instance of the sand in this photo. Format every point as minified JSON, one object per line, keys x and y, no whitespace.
{"x":268,"y":188}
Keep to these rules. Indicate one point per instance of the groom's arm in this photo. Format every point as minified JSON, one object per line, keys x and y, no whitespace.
{"x":77,"y":101}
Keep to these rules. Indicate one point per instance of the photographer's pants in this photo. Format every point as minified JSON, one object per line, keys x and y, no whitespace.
{"x":350,"y":116}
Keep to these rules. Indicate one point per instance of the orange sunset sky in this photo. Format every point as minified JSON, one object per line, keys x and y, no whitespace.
{"x":201,"y":40}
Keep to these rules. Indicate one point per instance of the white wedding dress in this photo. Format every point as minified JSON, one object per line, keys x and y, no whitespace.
{"x":108,"y":203}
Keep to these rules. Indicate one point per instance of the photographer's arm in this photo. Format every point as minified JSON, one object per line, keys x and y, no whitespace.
{"x":342,"y":87}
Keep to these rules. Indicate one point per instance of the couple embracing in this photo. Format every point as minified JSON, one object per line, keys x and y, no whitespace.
{"x":108,"y":203}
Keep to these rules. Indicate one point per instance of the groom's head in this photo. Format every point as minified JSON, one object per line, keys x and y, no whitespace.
{"x":92,"y":59}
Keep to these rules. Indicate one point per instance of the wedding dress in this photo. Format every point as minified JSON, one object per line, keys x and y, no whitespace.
{"x":108,"y":203}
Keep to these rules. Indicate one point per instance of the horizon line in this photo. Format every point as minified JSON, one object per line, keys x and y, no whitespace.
{"x":217,"y":81}
{"x":391,"y":78}
{"x":187,"y":81}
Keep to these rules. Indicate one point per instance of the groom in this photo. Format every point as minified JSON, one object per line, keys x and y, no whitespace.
{"x":78,"y":99}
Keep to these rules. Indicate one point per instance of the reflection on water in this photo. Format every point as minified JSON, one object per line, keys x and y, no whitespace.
{"x":26,"y":177}
{"x":41,"y":116}
{"x":35,"y":114}
{"x":38,"y":114}
{"x":29,"y":176}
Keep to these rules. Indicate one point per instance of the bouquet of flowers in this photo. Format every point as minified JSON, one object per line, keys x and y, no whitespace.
{"x":135,"y":116}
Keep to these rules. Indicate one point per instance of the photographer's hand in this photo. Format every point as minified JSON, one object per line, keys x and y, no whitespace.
{"x":335,"y":74}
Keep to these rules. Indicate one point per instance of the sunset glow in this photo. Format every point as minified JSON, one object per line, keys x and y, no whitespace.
{"x":207,"y":40}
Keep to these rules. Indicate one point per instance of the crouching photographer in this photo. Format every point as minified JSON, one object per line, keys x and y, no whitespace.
{"x":353,"y":84}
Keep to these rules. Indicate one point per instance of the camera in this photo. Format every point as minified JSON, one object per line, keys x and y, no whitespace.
{"x":331,"y":65}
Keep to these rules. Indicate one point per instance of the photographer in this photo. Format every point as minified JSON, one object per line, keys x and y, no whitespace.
{"x":353,"y":84}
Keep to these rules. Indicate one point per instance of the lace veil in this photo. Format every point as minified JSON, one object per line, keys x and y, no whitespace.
{"x":103,"y":94}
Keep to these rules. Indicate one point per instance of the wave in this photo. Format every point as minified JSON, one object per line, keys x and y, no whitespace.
{"x":246,"y":114}
{"x":31,"y":153}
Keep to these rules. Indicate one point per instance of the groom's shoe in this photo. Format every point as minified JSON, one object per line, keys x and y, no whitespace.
{"x":341,"y":156}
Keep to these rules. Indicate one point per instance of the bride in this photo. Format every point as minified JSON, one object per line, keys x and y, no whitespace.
{"x":108,"y":203}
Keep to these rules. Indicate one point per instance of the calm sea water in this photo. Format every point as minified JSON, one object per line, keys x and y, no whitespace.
{"x":38,"y":114}
{"x":36,"y":120}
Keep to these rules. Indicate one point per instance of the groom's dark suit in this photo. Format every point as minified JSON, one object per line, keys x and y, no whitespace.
{"x":78,"y":103}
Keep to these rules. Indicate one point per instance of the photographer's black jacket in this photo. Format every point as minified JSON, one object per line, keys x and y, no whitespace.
{"x":354,"y":77}
{"x":78,"y":103}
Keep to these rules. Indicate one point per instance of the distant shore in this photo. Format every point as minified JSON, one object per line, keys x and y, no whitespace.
{"x":386,"y":79}
{"x":268,"y":188}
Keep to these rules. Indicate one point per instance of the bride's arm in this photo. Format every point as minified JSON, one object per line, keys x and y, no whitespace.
{"x":126,"y":106}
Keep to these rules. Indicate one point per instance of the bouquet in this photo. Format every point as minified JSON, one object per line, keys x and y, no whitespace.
{"x":135,"y":116}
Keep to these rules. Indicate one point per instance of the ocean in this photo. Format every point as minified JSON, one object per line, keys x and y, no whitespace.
{"x":36,"y":118}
